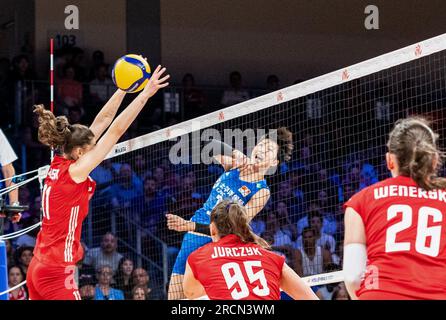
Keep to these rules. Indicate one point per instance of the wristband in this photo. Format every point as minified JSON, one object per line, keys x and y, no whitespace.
{"x":202,"y":228}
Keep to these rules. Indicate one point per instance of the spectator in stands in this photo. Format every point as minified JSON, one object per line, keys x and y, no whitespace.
{"x":368,"y":176}
{"x":279,"y":239}
{"x":272,"y":83}
{"x":329,"y":223}
{"x":21,"y":69}
{"x":294,"y":202}
{"x":322,"y":239}
{"x":141,"y":278}
{"x":305,"y":160}
{"x":194,"y":100}
{"x":36,"y":153}
{"x":311,"y":259}
{"x":340,"y":293}
{"x":285,"y":223}
{"x":106,"y":254}
{"x":78,"y":61}
{"x":101,"y":87}
{"x":353,"y":176}
{"x":104,"y":291}
{"x":140,"y":167}
{"x":97,"y":59}
{"x":70,"y":91}
{"x":104,"y":174}
{"x":235,"y":94}
{"x":154,"y":206}
{"x":75,"y":115}
{"x":347,"y":192}
{"x":10,"y":253}
{"x":25,"y":198}
{"x":23,"y":257}
{"x":16,"y":276}
{"x":123,"y":277}
{"x":87,"y":290}
{"x":139,"y":293}
{"x":36,"y":206}
{"x":158,"y":175}
{"x":127,"y":189}
{"x":328,"y":209}
{"x":188,"y":199}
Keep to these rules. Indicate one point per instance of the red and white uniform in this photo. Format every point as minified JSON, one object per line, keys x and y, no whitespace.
{"x":58,"y":247}
{"x":232,"y":270}
{"x":405,"y":230}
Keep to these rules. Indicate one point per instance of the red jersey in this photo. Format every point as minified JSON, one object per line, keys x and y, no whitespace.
{"x":65,"y":205}
{"x":232,"y":270}
{"x":406,"y":240}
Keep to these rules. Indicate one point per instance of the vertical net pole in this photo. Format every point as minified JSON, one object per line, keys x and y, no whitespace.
{"x":52,"y":82}
{"x":3,"y":270}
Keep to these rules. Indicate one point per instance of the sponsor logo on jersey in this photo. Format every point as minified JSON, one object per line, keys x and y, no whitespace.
{"x":244,"y":190}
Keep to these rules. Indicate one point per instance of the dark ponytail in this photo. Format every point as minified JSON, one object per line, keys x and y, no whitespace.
{"x":414,"y":144}
{"x":56,"y":132}
{"x":231,"y":218}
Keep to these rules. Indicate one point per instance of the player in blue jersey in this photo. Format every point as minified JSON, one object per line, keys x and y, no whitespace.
{"x":243,"y":181}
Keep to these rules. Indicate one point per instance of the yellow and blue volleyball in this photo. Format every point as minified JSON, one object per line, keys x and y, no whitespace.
{"x":131,"y":73}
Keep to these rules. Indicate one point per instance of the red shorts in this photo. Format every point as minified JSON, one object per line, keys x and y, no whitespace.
{"x":47,"y":282}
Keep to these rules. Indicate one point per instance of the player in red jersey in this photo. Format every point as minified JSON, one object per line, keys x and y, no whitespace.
{"x":395,"y":240}
{"x":68,"y":189}
{"x":238,"y":264}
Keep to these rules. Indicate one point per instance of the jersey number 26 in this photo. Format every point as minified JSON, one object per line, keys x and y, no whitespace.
{"x":423,"y":230}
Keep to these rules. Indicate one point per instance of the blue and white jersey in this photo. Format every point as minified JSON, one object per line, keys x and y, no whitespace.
{"x":228,"y":186}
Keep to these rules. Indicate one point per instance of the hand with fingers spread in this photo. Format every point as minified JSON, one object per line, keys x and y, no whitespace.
{"x":156,"y":82}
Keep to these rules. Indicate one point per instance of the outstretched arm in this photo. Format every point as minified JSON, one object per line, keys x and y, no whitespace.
{"x":253,"y":207}
{"x":80,"y":170}
{"x":108,"y":112}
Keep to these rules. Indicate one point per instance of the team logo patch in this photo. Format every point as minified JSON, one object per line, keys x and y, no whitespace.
{"x":244,"y":190}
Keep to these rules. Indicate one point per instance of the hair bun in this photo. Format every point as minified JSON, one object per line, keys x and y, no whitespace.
{"x":62,"y":125}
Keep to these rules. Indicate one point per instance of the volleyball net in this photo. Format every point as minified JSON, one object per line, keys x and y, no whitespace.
{"x":340,"y":123}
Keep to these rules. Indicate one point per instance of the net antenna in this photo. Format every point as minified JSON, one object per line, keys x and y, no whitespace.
{"x":52,"y":83}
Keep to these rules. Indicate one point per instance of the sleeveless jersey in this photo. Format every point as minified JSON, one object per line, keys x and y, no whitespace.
{"x":65,"y":205}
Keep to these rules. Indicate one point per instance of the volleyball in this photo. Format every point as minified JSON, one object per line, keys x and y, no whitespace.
{"x":131,"y":73}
